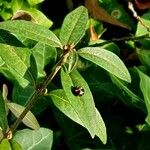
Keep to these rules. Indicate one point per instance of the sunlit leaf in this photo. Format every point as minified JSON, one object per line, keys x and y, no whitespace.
{"x":32,"y":31}
{"x":15,"y":145}
{"x":34,"y":2}
{"x":80,"y":108}
{"x":83,"y":105}
{"x":61,"y":102}
{"x":107,"y":60}
{"x":15,"y":60}
{"x":74,"y":26}
{"x":5,"y":145}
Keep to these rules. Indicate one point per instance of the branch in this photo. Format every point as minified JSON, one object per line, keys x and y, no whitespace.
{"x":128,"y":38}
{"x":130,"y":6}
{"x":39,"y":91}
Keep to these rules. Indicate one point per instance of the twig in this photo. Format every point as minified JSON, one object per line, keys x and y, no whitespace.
{"x":128,"y":38}
{"x":130,"y":6}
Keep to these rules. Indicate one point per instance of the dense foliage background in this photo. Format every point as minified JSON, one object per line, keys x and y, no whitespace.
{"x":102,"y":50}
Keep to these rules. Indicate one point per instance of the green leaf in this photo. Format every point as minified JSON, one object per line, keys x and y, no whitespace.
{"x":14,"y":60}
{"x":83,"y":105}
{"x":5,"y":145}
{"x":3,"y":116}
{"x":29,"y":120}
{"x":43,"y":55}
{"x":1,"y":134}
{"x":34,"y":15}
{"x":79,"y":108}
{"x":62,"y":103}
{"x":16,"y":5}
{"x":22,"y":95}
{"x":145,"y":88}
{"x":72,"y":61}
{"x":74,"y":26}
{"x":32,"y":31}
{"x":100,"y":128}
{"x":15,"y":145}
{"x":34,"y":139}
{"x":144,"y":56}
{"x":141,"y":30}
{"x":107,"y":60}
{"x":34,"y":2}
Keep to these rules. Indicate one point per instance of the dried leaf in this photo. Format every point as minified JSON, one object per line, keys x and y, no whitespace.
{"x":142,"y":4}
{"x":93,"y":34}
{"x":22,"y":15}
{"x":99,"y":13}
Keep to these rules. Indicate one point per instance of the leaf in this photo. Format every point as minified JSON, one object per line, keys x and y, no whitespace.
{"x":39,"y":17}
{"x":34,"y":2}
{"x":34,"y":139}
{"x":29,"y":120}
{"x":43,"y":54}
{"x":142,"y":30}
{"x":144,"y":56}
{"x":9,"y":39}
{"x":15,"y":145}
{"x":83,"y":105}
{"x":107,"y":60}
{"x":145,"y":88}
{"x":133,"y":99}
{"x":100,"y":128}
{"x":32,"y":14}
{"x":5,"y":92}
{"x":72,"y":61}
{"x":1,"y":134}
{"x":15,"y":61}
{"x":16,"y":5}
{"x":74,"y":26}
{"x":62,"y":103}
{"x":5,"y":145}
{"x":32,"y":31}
{"x":22,"y":15}
{"x":22,"y":95}
{"x":3,"y":116}
{"x":142,"y":4}
{"x":100,"y":13}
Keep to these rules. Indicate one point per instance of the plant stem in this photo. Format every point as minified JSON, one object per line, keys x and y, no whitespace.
{"x":39,"y":92}
{"x":128,"y":38}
